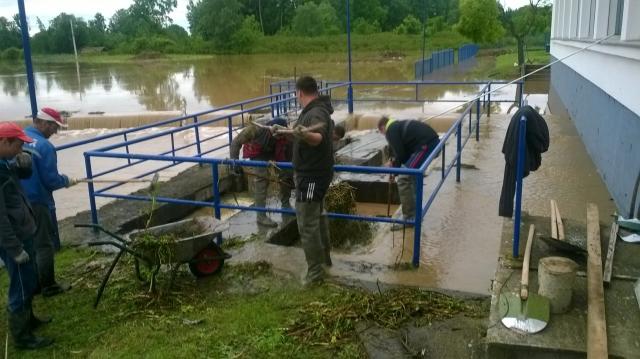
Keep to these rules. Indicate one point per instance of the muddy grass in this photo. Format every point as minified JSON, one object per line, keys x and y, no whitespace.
{"x":244,"y":312}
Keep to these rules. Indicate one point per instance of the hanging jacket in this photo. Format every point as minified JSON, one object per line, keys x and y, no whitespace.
{"x":45,"y":177}
{"x":537,"y":142}
{"x":16,"y":217}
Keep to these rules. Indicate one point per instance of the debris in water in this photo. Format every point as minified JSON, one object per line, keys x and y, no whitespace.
{"x":341,"y":198}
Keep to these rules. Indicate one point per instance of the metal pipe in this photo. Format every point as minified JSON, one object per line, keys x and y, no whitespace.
{"x":26,"y":46}
{"x":92,"y":198}
{"x":459,"y":152}
{"x":417,"y":230}
{"x":522,"y":130}
{"x":350,"y":87}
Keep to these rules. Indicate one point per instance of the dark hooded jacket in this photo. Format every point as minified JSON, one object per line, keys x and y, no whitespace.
{"x":16,"y":217}
{"x":537,"y":142}
{"x":315,"y":161}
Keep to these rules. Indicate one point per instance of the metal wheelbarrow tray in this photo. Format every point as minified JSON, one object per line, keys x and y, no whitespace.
{"x":194,"y":245}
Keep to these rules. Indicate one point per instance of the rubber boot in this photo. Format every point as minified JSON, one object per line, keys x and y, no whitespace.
{"x":20,"y":328}
{"x":35,"y":322}
{"x":55,"y":289}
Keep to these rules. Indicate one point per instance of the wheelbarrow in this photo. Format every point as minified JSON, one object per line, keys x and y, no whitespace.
{"x":194,"y":246}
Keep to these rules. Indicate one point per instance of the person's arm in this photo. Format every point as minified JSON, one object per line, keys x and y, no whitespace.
{"x":8,"y":239}
{"x":397,"y":148}
{"x":47,"y":165}
{"x":314,"y":137}
{"x":243,"y":137}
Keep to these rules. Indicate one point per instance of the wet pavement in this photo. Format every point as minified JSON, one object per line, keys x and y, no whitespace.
{"x":462,"y":231}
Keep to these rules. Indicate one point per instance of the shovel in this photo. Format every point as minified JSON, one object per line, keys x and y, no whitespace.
{"x":524,"y":312}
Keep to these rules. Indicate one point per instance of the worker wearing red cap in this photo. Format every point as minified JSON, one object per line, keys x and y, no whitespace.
{"x":39,"y":188}
{"x":17,"y":227}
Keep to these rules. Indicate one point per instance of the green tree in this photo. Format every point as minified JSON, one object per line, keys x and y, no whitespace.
{"x":9,"y":34}
{"x":522,"y":22}
{"x":480,"y":20}
{"x":97,"y":30}
{"x":410,"y":25}
{"x":314,"y":20}
{"x":248,"y":34}
{"x":59,"y":33}
{"x":215,"y":20}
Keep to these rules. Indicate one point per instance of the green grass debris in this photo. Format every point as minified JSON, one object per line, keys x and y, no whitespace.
{"x":341,"y":198}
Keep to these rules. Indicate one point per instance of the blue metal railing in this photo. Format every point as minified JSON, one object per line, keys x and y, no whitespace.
{"x":456,"y":129}
{"x":466,"y":52}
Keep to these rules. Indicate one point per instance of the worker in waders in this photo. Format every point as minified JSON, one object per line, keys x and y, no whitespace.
{"x":39,"y":189}
{"x":17,"y":228}
{"x":259,"y":144}
{"x":411,"y":142}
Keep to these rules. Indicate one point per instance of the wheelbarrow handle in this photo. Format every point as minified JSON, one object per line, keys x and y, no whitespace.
{"x":101,"y":229}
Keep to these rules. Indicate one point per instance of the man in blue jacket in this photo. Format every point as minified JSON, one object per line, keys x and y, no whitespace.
{"x":17,"y":227}
{"x":39,"y":188}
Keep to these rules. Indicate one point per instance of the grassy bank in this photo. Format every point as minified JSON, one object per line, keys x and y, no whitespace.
{"x":245,"y":312}
{"x":504,"y":67}
{"x":381,"y":43}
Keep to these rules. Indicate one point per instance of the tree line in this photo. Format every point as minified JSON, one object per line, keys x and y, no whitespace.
{"x":234,"y":25}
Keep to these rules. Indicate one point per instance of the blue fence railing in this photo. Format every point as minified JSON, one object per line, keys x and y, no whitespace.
{"x":465,"y":52}
{"x":437,"y":60}
{"x":467,"y":124}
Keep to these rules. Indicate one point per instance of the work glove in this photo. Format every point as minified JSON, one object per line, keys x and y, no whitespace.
{"x":23,"y":160}
{"x":277,"y":129}
{"x":22,"y":258}
{"x":71,"y":181}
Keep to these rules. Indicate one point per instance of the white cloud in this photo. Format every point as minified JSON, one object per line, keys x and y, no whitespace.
{"x":48,"y":9}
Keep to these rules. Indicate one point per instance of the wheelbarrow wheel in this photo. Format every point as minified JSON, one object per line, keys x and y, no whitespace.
{"x":202,"y":266}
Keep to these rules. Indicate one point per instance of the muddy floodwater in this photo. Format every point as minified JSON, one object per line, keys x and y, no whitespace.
{"x":192,"y":86}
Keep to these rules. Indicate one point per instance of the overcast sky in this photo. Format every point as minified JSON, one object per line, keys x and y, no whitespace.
{"x":48,"y":9}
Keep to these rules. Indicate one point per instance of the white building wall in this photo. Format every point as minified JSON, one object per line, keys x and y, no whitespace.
{"x":631,"y":23}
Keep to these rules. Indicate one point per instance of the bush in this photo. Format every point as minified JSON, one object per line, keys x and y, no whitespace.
{"x":410,"y":25}
{"x":361,"y":26}
{"x":248,"y":34}
{"x":12,"y":54}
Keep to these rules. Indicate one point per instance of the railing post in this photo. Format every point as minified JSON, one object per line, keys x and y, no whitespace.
{"x":92,"y":197}
{"x":417,"y":228}
{"x":522,"y":130}
{"x":230,"y":127}
{"x":197,"y":130}
{"x":173,"y":147}
{"x":459,"y":151}
{"x":489,"y":100}
{"x":127,"y":147}
{"x":478,"y":120}
{"x":242,"y":114}
{"x":216,"y":194}
{"x":273,"y":110}
{"x":443,"y":160}
{"x":521,"y":92}
{"x":350,"y":97}
{"x":26,"y":45}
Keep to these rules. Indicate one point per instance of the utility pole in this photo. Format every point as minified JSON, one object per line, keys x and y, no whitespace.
{"x":75,"y":51}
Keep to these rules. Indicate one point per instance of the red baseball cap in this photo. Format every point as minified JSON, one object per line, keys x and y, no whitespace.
{"x":11,"y":130}
{"x":49,"y":114}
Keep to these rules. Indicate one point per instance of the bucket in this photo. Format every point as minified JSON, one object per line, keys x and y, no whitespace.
{"x":555,"y":277}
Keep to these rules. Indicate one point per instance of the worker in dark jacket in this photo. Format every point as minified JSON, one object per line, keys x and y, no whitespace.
{"x":313,"y":170}
{"x":537,"y":142}
{"x":260,"y":144}
{"x":411,"y":142}
{"x":17,"y":227}
{"x":39,"y":188}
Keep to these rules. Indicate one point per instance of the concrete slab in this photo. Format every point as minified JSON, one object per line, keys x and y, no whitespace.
{"x":566,"y":334}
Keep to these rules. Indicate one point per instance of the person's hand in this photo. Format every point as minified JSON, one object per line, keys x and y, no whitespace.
{"x":71,"y":181}
{"x":275,"y":129}
{"x":22,"y":258}
{"x":389,"y":164}
{"x":23,"y":160}
{"x":300,"y":133}
{"x":236,"y":170}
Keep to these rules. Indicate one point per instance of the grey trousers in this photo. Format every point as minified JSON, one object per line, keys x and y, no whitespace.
{"x":313,"y":227}
{"x":43,"y":246}
{"x":261,"y":185}
{"x":407,"y":193}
